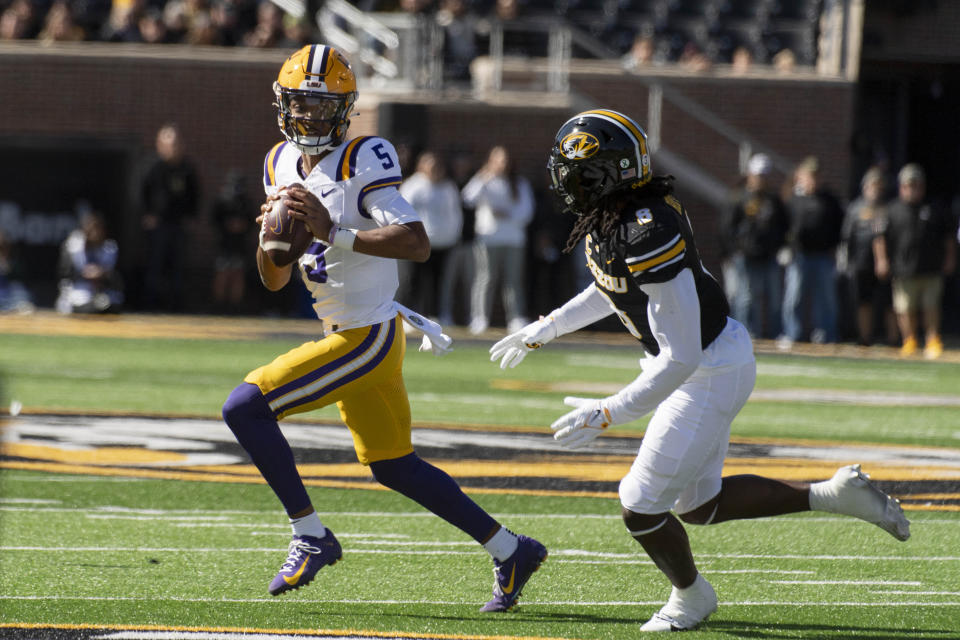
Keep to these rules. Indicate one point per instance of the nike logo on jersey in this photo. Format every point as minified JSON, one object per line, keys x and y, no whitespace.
{"x":324,"y":194}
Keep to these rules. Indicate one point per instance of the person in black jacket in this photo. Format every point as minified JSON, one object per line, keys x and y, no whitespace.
{"x":757,"y":224}
{"x":915,"y":247}
{"x":170,"y":194}
{"x":816,"y":219}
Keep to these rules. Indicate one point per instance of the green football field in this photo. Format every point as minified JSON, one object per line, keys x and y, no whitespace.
{"x":125,"y":512}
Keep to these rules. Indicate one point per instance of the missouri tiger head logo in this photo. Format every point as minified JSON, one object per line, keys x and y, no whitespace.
{"x":579,"y":145}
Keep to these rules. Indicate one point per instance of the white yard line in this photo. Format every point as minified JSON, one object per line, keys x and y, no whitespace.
{"x":906,"y":583}
{"x":555,"y":603}
{"x":569,"y":555}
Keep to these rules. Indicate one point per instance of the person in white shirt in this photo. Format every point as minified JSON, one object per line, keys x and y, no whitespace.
{"x":429,"y":285}
{"x":504,"y":206}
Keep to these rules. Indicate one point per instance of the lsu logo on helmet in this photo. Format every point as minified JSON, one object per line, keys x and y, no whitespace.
{"x":579,"y":145}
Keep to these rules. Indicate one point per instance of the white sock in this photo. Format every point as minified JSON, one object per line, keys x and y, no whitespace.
{"x":308,"y":525}
{"x":822,"y":495}
{"x":502,"y":545}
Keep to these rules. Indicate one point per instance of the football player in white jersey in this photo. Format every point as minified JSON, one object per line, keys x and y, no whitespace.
{"x":345,"y":191}
{"x":698,"y":372}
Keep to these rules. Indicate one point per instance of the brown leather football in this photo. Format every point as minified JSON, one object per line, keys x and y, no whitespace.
{"x":284,"y":238}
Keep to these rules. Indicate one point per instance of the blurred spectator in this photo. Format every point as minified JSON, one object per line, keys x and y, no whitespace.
{"x":460,"y":266}
{"x":89,"y":280}
{"x":415,"y":6}
{"x":741,"y":61}
{"x":640,"y":54}
{"x":784,"y":61}
{"x":58,"y":25}
{"x":175,"y":19}
{"x":504,"y":207}
{"x":203,"y":31}
{"x":693,"y":59}
{"x":552,"y":279}
{"x":226,"y":17}
{"x":232,"y":214}
{"x":152,"y":28}
{"x":269,"y":28}
{"x":429,"y":285}
{"x":170,"y":194}
{"x":459,"y":39}
{"x":915,"y":247}
{"x":14,"y":296}
{"x":123,"y":23}
{"x":297,"y":32}
{"x":871,"y":296}
{"x":18,"y":21}
{"x":758,"y":223}
{"x":816,"y":219}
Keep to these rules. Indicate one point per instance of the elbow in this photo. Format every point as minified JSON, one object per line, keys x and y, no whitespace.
{"x":418,"y":244}
{"x":685,"y":364}
{"x":421,"y":252}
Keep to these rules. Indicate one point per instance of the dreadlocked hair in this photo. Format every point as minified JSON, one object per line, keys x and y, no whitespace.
{"x":606,"y":215}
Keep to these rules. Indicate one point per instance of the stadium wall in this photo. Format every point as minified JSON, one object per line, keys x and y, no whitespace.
{"x":71,"y":99}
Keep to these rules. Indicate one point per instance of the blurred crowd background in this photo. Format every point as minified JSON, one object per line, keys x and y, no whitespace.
{"x":814,"y":142}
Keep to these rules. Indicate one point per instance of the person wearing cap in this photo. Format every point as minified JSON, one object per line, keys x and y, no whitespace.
{"x":816,"y":218}
{"x":756,"y":225}
{"x":915,"y":248}
{"x":870,"y":296}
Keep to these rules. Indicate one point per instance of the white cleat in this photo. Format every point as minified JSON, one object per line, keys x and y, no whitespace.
{"x":851,"y":493}
{"x":685,"y":609}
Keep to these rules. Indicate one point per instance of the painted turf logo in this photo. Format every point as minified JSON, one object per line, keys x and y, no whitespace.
{"x":579,"y":145}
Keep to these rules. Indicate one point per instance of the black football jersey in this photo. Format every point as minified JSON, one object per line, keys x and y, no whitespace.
{"x":653,"y":243}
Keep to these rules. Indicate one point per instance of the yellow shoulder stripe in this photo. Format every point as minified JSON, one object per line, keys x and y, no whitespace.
{"x":660,"y":259}
{"x":271,"y":163}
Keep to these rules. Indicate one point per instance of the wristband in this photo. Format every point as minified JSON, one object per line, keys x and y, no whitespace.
{"x":344,"y":238}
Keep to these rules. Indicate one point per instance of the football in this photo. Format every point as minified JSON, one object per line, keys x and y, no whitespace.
{"x":284,"y":238}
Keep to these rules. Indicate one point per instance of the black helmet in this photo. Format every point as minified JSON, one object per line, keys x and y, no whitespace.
{"x":596,"y":153}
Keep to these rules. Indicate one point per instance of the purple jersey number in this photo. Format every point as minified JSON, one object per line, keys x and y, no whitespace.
{"x":317,"y":272}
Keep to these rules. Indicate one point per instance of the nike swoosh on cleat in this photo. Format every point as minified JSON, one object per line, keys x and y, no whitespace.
{"x":509,"y":588}
{"x":295,"y":578}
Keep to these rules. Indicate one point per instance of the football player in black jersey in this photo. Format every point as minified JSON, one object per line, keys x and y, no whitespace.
{"x":698,"y":372}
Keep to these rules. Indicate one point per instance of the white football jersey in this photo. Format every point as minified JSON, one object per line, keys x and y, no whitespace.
{"x":349,"y":289}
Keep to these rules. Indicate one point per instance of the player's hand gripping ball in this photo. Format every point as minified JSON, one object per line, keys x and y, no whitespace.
{"x":282,"y":237}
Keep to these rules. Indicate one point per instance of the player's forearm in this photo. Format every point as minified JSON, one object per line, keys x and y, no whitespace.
{"x":582,"y":310}
{"x":674,"y":315}
{"x":273,"y":277}
{"x":398,"y":241}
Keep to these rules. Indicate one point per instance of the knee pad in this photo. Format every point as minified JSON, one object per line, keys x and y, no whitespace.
{"x":245,"y":401}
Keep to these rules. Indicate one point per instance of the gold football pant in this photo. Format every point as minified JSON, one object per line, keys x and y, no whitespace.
{"x":359,"y":369}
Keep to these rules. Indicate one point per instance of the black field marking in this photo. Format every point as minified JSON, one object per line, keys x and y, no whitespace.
{"x":496,"y":461}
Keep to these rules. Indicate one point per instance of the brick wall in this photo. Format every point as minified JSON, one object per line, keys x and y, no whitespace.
{"x":222,"y":101}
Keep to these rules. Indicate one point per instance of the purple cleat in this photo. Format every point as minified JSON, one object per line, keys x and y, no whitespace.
{"x":305,"y":557}
{"x":510,"y":575}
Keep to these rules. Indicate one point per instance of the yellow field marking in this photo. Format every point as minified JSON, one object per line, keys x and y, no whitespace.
{"x":99,"y":456}
{"x":356,"y":476}
{"x":250,"y":630}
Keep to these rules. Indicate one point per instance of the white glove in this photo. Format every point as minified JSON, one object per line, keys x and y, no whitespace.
{"x":515,"y":347}
{"x":583,"y":424}
{"x":438,"y":345}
